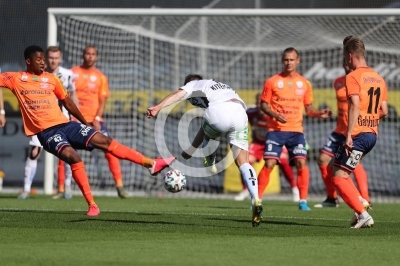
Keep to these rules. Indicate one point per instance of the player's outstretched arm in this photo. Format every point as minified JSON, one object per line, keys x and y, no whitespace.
{"x":266,"y":108}
{"x":170,"y":99}
{"x":73,"y":110}
{"x":312,"y":112}
{"x":383,"y":111}
{"x":2,"y":112}
{"x":354,"y":111}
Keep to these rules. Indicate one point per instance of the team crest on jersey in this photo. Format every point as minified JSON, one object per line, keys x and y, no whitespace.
{"x":280,"y":84}
{"x":93,"y":78}
{"x":299,"y":84}
{"x":24,"y":78}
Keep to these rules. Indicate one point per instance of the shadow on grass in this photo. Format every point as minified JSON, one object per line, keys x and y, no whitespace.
{"x":273,"y":222}
{"x":94,"y":219}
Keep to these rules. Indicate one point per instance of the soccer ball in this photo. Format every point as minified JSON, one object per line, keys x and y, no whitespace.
{"x":174,"y":181}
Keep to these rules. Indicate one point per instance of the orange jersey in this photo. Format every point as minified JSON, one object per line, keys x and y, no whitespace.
{"x":287,"y":95}
{"x":37,"y":97}
{"x":371,"y":88}
{"x":91,"y":85}
{"x":342,"y":105}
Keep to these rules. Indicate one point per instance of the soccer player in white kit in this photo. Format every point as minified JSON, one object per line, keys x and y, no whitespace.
{"x":225,"y":113}
{"x":53,"y":59}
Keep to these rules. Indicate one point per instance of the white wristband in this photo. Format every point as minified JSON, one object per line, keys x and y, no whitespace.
{"x":2,"y":112}
{"x":97,"y":118}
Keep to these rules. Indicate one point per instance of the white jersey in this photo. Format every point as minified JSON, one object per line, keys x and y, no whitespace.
{"x":67,"y":78}
{"x":207,"y":92}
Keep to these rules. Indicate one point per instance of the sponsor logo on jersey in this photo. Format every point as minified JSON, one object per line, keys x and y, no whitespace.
{"x":280,"y":84}
{"x":299,"y":91}
{"x":93,"y":78}
{"x":44,"y":79}
{"x":24,"y":78}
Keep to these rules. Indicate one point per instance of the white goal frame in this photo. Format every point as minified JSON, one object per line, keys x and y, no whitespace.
{"x":52,"y":32}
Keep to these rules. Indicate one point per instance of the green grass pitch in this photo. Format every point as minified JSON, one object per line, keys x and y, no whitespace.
{"x":165,"y":231}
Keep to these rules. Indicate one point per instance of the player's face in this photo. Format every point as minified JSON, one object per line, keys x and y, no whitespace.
{"x":53,"y":60}
{"x":36,"y":63}
{"x":346,"y":68}
{"x":290,"y":60}
{"x":348,"y":61}
{"x":89,"y":56}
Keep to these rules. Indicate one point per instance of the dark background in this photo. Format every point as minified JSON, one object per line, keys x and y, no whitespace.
{"x":24,"y":22}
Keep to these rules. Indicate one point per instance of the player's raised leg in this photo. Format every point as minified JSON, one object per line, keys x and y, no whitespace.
{"x":123,"y":152}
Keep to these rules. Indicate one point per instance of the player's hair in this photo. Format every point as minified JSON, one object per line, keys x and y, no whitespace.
{"x":52,"y":49}
{"x":31,"y":50}
{"x":355,"y":46}
{"x":289,"y":50}
{"x":346,"y":39}
{"x":89,"y":46}
{"x":191,"y":77}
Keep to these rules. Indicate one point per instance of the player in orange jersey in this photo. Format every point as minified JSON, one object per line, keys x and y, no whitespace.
{"x":92,"y":91}
{"x":36,"y":92}
{"x":367,"y":94}
{"x":285,"y":97}
{"x":259,"y":126}
{"x":53,"y":59}
{"x":336,"y":139}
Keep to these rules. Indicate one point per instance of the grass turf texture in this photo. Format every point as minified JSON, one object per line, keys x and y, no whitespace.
{"x":153,"y":231}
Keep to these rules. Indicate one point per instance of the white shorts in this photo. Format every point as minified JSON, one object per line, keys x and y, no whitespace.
{"x":35,"y":141}
{"x":228,"y":118}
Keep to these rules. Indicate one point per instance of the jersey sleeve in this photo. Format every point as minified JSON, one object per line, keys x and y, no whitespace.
{"x":59,"y":89}
{"x":352,"y":86}
{"x":189,"y":88}
{"x":267,"y":91}
{"x":104,"y":91}
{"x":7,"y":80}
{"x":308,"y":96}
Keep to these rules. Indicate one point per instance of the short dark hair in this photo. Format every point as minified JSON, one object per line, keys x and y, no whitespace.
{"x":289,"y":50}
{"x":31,"y":50}
{"x":355,"y":46}
{"x":191,"y":77}
{"x":89,"y":46}
{"x":346,"y":39}
{"x":53,"y":49}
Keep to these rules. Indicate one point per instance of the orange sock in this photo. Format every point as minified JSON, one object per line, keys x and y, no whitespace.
{"x":326,"y":173}
{"x":263,"y":180}
{"x":351,"y":183}
{"x":303,"y":178}
{"x":348,"y":193}
{"x":287,"y":171}
{"x":115,"y":168}
{"x":81,"y":179}
{"x":362,"y":181}
{"x":60,"y":175}
{"x":122,"y":152}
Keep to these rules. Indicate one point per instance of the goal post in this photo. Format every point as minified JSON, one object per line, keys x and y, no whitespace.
{"x":146,"y":53}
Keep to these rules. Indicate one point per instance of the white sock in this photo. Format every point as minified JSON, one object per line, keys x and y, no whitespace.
{"x":249,"y":176}
{"x":68,"y":175}
{"x":30,"y":171}
{"x":363,"y":215}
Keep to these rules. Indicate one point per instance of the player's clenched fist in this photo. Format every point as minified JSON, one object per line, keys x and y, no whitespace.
{"x":152,"y":111}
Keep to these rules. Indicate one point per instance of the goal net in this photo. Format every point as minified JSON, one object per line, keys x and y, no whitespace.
{"x":147,"y":55}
